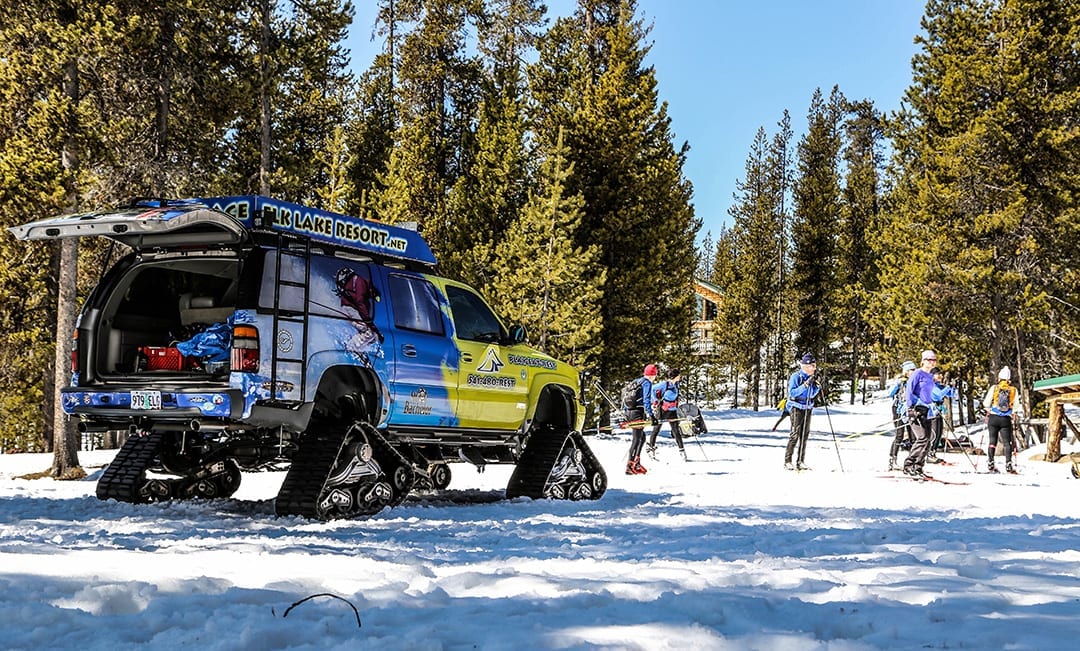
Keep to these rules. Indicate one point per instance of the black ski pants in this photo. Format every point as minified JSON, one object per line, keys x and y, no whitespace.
{"x":902,"y":430}
{"x":920,"y":429}
{"x":999,"y":427}
{"x":637,"y":440}
{"x":800,"y":432}
{"x":672,"y":417}
{"x":937,"y":428}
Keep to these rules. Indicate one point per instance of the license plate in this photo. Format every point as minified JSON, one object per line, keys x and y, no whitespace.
{"x":146,"y":400}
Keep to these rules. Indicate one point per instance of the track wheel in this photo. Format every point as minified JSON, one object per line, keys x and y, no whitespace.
{"x":440,"y":475}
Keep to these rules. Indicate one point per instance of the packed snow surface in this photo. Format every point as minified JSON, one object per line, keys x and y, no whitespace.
{"x":725,"y":551}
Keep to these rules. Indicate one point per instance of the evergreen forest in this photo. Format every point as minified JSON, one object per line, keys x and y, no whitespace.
{"x":537,"y":157}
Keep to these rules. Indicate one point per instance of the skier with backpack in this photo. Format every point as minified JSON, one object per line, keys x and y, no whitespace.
{"x":667,"y":398}
{"x":900,"y":421}
{"x":1001,"y":406}
{"x":637,"y":403}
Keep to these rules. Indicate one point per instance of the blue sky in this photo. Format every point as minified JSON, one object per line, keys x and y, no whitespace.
{"x":728,"y":67}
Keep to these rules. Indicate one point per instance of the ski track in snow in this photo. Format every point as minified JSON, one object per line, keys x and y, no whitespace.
{"x":728,"y":551}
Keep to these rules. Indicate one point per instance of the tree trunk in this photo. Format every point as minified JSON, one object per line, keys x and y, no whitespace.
{"x":167,"y":35}
{"x":65,"y":438}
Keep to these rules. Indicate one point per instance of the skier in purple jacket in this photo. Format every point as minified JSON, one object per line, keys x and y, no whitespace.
{"x":919,"y":398}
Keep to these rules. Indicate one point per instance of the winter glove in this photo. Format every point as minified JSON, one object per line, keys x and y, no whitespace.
{"x":812,"y":381}
{"x":912,"y":415}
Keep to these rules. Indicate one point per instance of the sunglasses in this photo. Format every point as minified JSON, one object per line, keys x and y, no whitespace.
{"x":929,"y":359}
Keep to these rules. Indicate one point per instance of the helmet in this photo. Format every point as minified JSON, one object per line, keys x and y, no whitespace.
{"x":908,"y":366}
{"x":650,"y":369}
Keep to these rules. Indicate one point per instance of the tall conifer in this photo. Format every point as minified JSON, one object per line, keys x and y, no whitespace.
{"x":815,"y":230}
{"x":591,"y":78}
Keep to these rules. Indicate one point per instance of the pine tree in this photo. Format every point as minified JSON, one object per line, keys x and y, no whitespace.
{"x":489,"y":195}
{"x":291,"y":71}
{"x":54,"y":123}
{"x":437,"y":94}
{"x":779,"y":177}
{"x":543,"y":278}
{"x":986,"y":169}
{"x":591,"y":78}
{"x":859,"y":214}
{"x":748,"y":311}
{"x":817,"y":213}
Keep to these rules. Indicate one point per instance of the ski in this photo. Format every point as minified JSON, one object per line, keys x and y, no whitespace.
{"x":924,"y":478}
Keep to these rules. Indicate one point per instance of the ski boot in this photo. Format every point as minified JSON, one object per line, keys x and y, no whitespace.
{"x":801,"y":466}
{"x":893,"y":465}
{"x":915,"y":473}
{"x":789,"y":466}
{"x":990,"y":467}
{"x":651,"y":451}
{"x":1010,"y":468}
{"x":682,"y":451}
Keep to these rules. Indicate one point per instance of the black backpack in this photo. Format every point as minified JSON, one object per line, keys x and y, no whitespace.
{"x":632,"y":396}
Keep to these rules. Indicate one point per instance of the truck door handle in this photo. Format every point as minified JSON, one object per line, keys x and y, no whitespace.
{"x":466,"y":357}
{"x":408,"y":350}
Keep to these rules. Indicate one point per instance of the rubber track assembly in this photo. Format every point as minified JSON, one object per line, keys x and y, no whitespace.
{"x":384,"y":478}
{"x":125,"y":477}
{"x":557,"y":464}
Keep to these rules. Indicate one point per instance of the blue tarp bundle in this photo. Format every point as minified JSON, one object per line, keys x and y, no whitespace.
{"x":210,"y":345}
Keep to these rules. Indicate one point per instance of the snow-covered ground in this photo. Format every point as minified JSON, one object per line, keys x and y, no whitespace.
{"x":727,"y":551}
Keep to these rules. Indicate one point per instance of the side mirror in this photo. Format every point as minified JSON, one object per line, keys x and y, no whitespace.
{"x":518,"y":333}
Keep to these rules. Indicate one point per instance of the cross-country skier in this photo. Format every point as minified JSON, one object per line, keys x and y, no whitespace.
{"x":920,"y":408}
{"x":899,"y":409}
{"x":1002,"y":408}
{"x":642,"y":409}
{"x":803,"y":388}
{"x":667,"y":393}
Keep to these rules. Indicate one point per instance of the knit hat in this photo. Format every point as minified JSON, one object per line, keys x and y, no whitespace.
{"x":908,"y":366}
{"x":650,"y":369}
{"x":1004,"y":373}
{"x":807,"y":358}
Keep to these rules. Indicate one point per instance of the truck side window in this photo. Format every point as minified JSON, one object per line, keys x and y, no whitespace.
{"x":415,"y":304}
{"x":473,"y":319}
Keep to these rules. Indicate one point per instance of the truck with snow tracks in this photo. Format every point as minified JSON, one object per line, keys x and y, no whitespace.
{"x":246,"y":333}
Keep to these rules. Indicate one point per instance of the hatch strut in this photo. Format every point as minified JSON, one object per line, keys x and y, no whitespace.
{"x":285,"y":349}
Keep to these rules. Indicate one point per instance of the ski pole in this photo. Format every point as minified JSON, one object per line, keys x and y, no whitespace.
{"x":604,"y":395}
{"x":697,"y":438}
{"x":974,"y":466}
{"x":835,"y":444}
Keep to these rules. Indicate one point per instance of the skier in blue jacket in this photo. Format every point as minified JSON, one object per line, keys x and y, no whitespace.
{"x":899,"y":409}
{"x":643,"y":410}
{"x":919,"y":398}
{"x":667,"y":405}
{"x":803,"y":388}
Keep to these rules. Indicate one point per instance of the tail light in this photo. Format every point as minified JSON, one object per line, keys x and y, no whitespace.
{"x":245,"y":349}
{"x":75,"y":352}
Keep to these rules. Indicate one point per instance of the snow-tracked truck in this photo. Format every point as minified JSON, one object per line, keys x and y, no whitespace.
{"x":246,"y":333}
